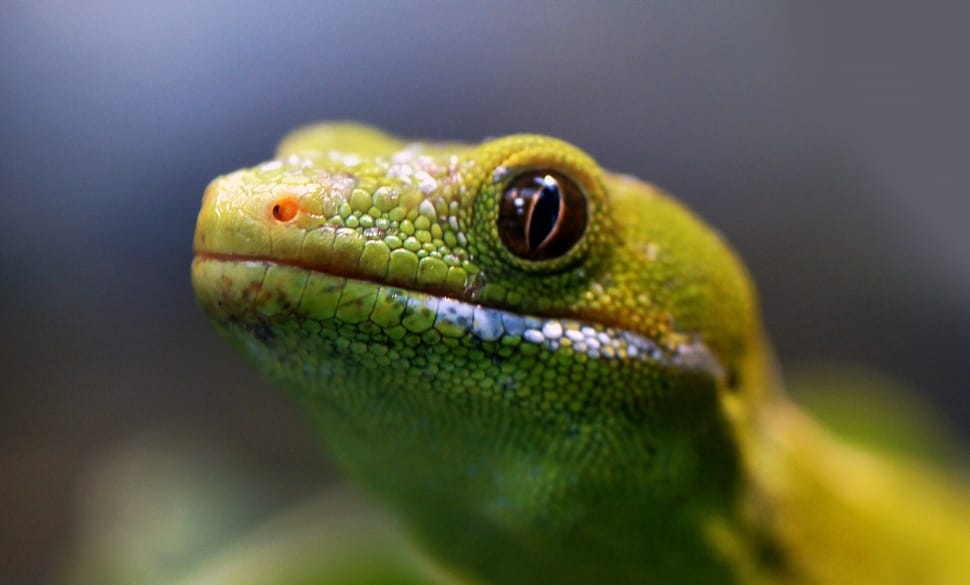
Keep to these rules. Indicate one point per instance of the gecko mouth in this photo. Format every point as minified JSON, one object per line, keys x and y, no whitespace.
{"x":232,"y":287}
{"x":333,"y":269}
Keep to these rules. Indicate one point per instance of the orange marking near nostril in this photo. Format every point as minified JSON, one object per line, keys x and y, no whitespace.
{"x":285,"y":209}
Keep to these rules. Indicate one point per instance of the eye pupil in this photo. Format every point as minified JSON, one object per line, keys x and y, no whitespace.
{"x":543,"y":214}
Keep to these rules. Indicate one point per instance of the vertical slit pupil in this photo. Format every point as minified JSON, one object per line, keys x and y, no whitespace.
{"x":545,"y":212}
{"x":542,"y":215}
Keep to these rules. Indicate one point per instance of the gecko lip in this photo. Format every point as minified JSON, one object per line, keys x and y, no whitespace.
{"x":221,"y":293}
{"x":334,"y":269}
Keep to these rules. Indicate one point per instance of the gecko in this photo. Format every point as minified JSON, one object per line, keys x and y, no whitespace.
{"x":548,"y":372}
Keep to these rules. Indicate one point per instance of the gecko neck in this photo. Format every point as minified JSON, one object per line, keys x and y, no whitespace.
{"x":829,"y":512}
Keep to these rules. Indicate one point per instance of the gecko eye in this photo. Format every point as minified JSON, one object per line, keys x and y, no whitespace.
{"x":542,"y":215}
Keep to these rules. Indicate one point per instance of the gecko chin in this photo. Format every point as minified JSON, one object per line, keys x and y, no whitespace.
{"x":272,"y":300}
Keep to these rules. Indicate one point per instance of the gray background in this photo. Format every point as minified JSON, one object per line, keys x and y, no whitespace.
{"x":829,"y":143}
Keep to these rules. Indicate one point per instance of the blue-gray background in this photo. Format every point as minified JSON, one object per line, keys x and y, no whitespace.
{"x":829,"y":143}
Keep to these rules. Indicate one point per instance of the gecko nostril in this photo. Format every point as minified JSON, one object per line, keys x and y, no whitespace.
{"x":285,"y":209}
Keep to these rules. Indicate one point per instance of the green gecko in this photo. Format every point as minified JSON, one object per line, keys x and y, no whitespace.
{"x":549,"y":373}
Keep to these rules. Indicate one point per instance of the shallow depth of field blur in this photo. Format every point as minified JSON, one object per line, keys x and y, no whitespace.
{"x":828,"y":143}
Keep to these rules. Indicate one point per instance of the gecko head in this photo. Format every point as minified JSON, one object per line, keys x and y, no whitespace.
{"x":501,"y":329}
{"x":526,"y":224}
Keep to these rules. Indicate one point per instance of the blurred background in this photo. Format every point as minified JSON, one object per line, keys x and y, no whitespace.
{"x":828,"y":142}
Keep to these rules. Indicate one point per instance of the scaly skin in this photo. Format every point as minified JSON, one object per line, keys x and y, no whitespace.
{"x":610,"y":414}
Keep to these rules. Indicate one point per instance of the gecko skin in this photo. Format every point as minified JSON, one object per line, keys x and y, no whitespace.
{"x":548,"y":372}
